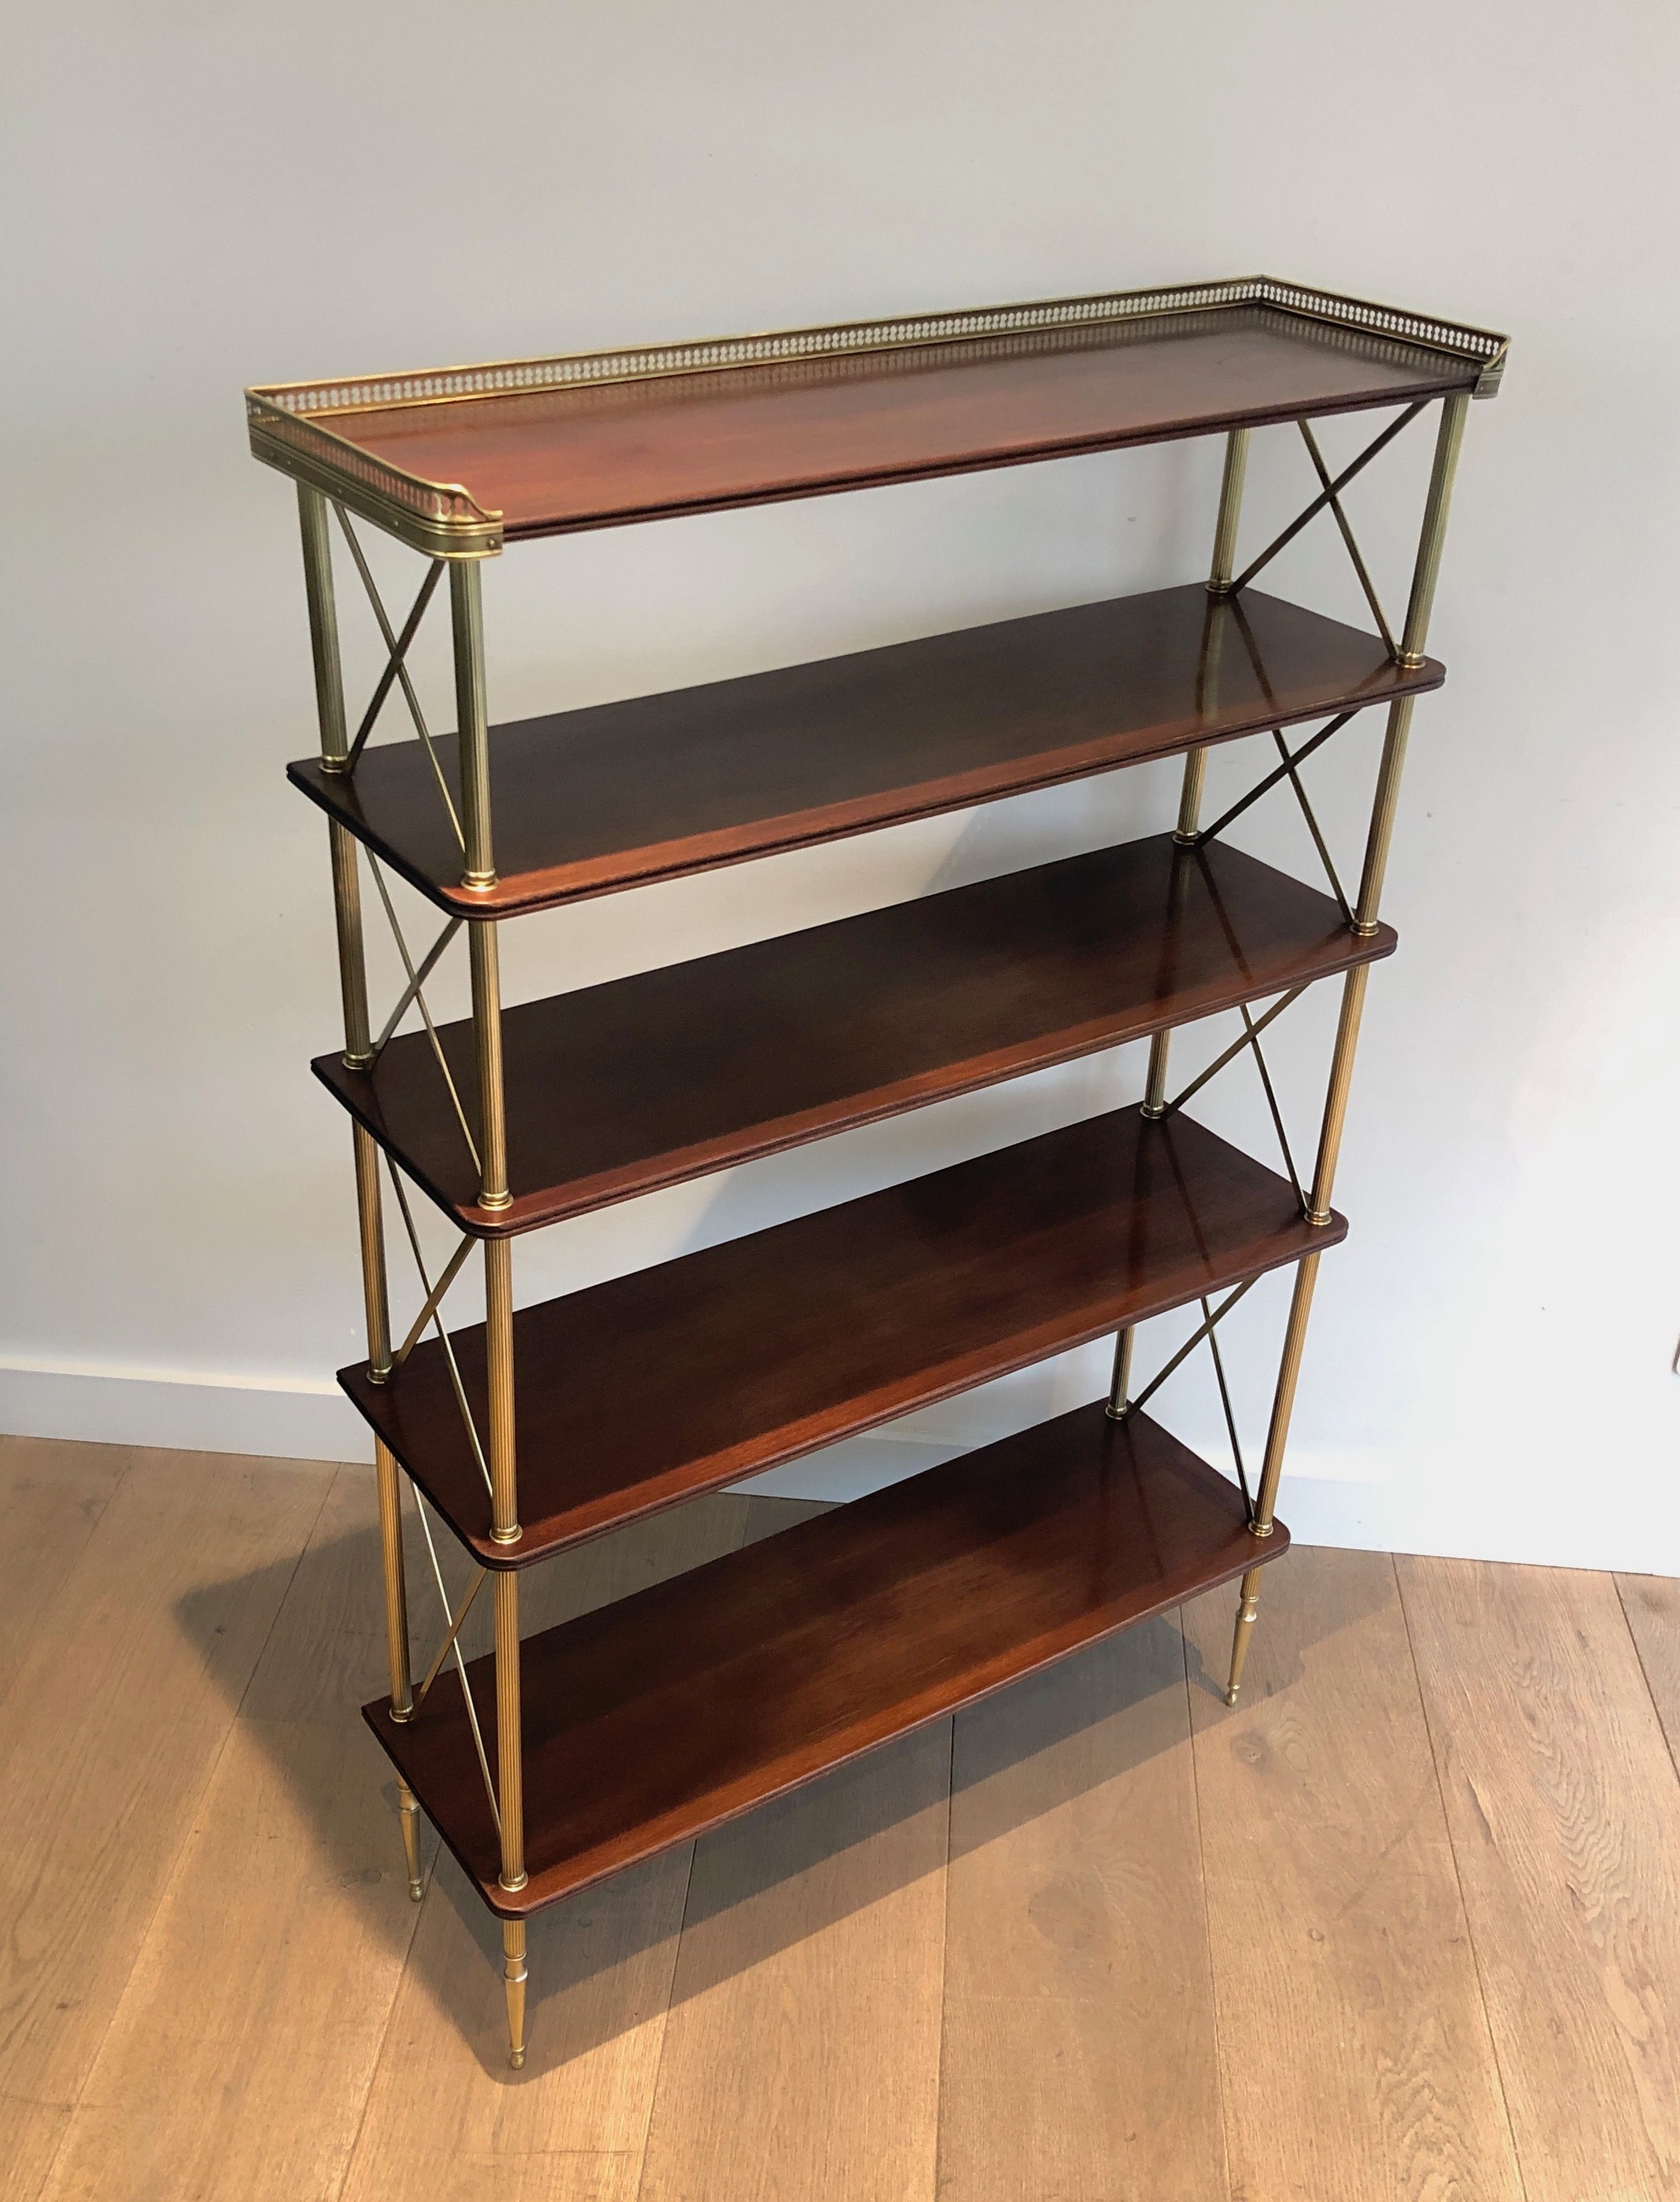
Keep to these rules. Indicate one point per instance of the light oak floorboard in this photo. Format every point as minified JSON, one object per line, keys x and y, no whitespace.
{"x":52,"y":1497}
{"x":801,"y":2053}
{"x":241,"y":2055}
{"x":446,"y":2118}
{"x":326,"y":1655}
{"x":1651,"y":1605}
{"x":106,"y":1740}
{"x":212,"y":1982}
{"x":1355,"y":2051}
{"x":1564,"y":1808}
{"x":288,"y":1921}
{"x":1080,"y":2063}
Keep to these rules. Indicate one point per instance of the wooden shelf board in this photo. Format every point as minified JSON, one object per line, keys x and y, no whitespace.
{"x":647,"y":1722}
{"x":591,"y":801}
{"x":639,"y":1393}
{"x":554,"y":461}
{"x":806,"y":1034}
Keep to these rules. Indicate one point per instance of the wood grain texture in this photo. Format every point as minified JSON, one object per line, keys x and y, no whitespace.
{"x":649,"y":1722}
{"x":801,"y":2034}
{"x":702,"y":1371}
{"x":51,"y":1497}
{"x":801,"y":2053}
{"x":1080,"y":2051}
{"x":653,"y":787}
{"x":445,"y":2117}
{"x":554,"y":461}
{"x":288,"y":1913}
{"x":326,"y":1654}
{"x":107,"y":1737}
{"x":608,"y":1569}
{"x":793,"y":1038}
{"x":1651,"y":1605}
{"x":289,"y":1916}
{"x":1563,"y":1802}
{"x":1355,"y":2051}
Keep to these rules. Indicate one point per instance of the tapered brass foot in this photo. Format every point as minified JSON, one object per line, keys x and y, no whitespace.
{"x":512,"y":1972}
{"x":407,"y":1811}
{"x":1247,"y":1608}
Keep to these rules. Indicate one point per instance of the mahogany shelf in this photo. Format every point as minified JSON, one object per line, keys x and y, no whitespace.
{"x":639,"y":1393}
{"x":591,"y":801}
{"x":519,"y":449}
{"x":651,"y":1720}
{"x":616,"y":1089}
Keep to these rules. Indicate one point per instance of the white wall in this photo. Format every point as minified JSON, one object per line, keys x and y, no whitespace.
{"x":211,"y":196}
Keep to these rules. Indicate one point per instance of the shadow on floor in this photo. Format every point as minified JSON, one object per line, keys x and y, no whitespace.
{"x":601,"y":1962}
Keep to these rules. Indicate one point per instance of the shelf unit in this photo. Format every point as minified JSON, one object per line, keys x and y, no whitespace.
{"x":561,"y":1758}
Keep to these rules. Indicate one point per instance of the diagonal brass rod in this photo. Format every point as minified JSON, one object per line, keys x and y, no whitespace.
{"x":413,"y":701}
{"x":1343,"y":522}
{"x":461,"y":1666}
{"x":1324,"y":497}
{"x":445,"y":1648}
{"x":427,"y":963}
{"x":1253,"y":1038}
{"x":1318,"y":842}
{"x":420,"y":997}
{"x":1230,"y":1422}
{"x":394,"y":664}
{"x":434,"y":1301}
{"x":1280,"y":772}
{"x":1189,"y":1347}
{"x":444,"y":1338}
{"x":1236,"y":1048}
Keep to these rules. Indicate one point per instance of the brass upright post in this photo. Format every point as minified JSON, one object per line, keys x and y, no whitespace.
{"x":510,"y":1792}
{"x":1223,"y":564}
{"x":510,"y":1784}
{"x":1120,"y":1383}
{"x":467,"y":621}
{"x":1195,"y":763}
{"x":1383,"y":809}
{"x":358,"y":1052}
{"x":499,"y":1337}
{"x":1189,"y":818}
{"x":467,"y":616}
{"x":1153,"y":1103}
{"x":334,"y":750}
{"x":347,"y":911}
{"x":513,"y":1975}
{"x":1449,"y":442}
{"x":1219,"y":573}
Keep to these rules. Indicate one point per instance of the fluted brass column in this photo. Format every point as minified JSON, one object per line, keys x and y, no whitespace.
{"x":1384,"y":807}
{"x":1184,"y":833}
{"x":358,"y":1052}
{"x":467,"y":616}
{"x":514,"y":1976}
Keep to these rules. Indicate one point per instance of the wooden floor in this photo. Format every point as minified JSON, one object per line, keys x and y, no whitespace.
{"x":1406,"y":1924}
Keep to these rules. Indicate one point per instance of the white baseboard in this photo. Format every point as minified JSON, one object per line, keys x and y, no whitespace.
{"x":1374,"y":1501}
{"x":182,"y":1412}
{"x":1380,"y":1502}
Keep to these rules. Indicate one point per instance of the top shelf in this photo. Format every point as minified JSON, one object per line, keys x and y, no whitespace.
{"x":457,"y":461}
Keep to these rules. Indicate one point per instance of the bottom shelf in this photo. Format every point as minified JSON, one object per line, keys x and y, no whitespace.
{"x":651,"y":1720}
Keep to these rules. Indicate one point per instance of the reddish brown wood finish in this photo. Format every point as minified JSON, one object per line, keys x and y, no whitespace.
{"x":620,"y":1088}
{"x":586,"y":802}
{"x":651,"y":1720}
{"x":554,"y":461}
{"x":639,"y":1393}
